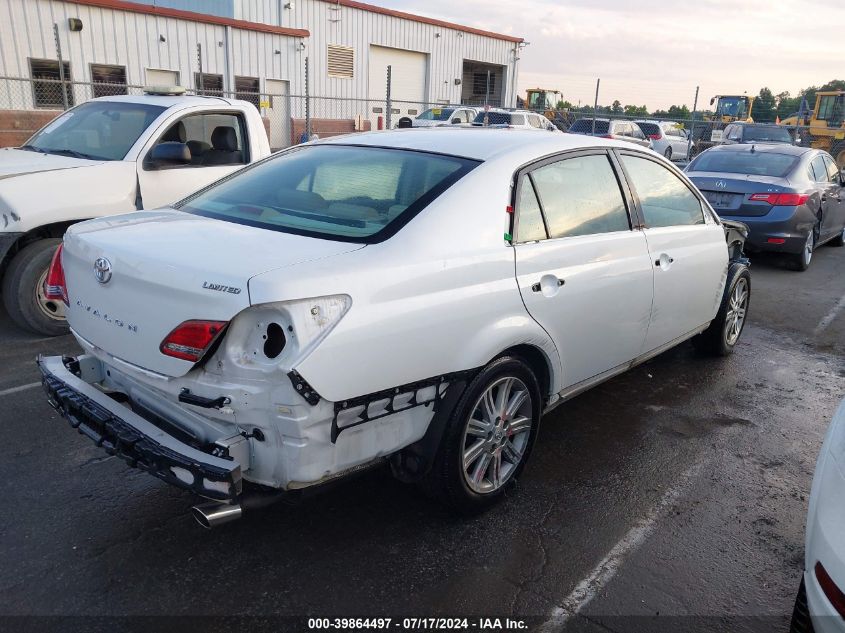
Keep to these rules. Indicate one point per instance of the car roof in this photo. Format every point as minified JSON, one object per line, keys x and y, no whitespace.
{"x":774,"y":148}
{"x":170,"y":101}
{"x":478,"y":143}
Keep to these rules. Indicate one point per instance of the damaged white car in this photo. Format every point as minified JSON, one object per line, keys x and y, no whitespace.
{"x":416,"y":296}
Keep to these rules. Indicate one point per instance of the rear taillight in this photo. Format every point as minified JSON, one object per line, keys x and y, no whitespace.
{"x":191,"y":339}
{"x":831,"y":591}
{"x":654,"y":137}
{"x":606,"y":136}
{"x":55,"y":287}
{"x":780,"y":199}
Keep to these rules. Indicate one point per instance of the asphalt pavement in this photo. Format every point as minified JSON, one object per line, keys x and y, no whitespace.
{"x":670,"y":498}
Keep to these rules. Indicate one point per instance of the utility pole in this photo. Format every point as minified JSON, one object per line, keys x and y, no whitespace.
{"x":596,"y":105}
{"x":692,"y":124}
{"x":61,"y":64}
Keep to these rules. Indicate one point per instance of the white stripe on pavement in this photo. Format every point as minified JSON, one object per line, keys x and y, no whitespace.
{"x":12,"y":390}
{"x":607,"y":568}
{"x":828,"y":319}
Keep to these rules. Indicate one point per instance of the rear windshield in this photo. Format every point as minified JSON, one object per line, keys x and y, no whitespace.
{"x":340,"y":192}
{"x":649,"y":128}
{"x":436,"y":114}
{"x":499,"y":118}
{"x":585,"y":126}
{"x":755,"y":163}
{"x":771,"y":134}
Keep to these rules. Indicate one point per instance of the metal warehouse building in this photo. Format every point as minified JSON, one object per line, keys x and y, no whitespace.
{"x":271,"y":52}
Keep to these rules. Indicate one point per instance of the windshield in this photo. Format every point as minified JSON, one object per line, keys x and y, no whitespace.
{"x":770,"y":134}
{"x":754,"y":163}
{"x":99,"y":130}
{"x":436,"y":114}
{"x":585,"y":126}
{"x":649,"y":128}
{"x":499,"y":118}
{"x":731,"y":106}
{"x":342,"y":192}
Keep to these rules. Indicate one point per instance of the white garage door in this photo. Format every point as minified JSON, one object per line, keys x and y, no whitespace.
{"x":408,"y":73}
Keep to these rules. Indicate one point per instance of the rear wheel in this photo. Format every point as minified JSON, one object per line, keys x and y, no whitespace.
{"x":668,"y":153}
{"x":801,"y":261}
{"x":723,"y":334}
{"x":488,"y":437}
{"x":801,"y":622}
{"x":23,"y":290}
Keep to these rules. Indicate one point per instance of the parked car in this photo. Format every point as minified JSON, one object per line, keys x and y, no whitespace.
{"x":667,"y":137}
{"x":820,"y":604}
{"x":385,"y":310}
{"x":756,"y":133}
{"x":611,"y":128}
{"x":522,"y":119}
{"x":106,"y":156}
{"x":436,"y":117}
{"x":790,"y":197}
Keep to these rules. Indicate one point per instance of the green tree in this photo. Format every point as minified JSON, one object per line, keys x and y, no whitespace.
{"x":764,"y":107}
{"x":616,"y":108}
{"x":632,"y":110}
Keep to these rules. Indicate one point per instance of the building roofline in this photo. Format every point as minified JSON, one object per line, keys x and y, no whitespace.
{"x":354,"y":4}
{"x":134,"y":7}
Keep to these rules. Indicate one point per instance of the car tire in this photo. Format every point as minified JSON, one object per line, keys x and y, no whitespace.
{"x":839,"y":240}
{"x":801,"y":621}
{"x":23,"y":293}
{"x":471,"y":456}
{"x":668,"y":153}
{"x":721,"y":337}
{"x":801,"y":261}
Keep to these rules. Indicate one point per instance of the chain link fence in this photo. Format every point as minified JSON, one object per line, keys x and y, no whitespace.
{"x":26,"y":104}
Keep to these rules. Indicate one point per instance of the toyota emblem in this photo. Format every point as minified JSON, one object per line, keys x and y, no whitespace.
{"x":102,"y":270}
{"x":721,"y":184}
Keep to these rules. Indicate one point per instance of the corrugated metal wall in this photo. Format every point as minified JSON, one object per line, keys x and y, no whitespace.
{"x":133,"y":40}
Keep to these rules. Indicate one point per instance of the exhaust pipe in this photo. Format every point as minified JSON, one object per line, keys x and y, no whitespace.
{"x":211,"y":515}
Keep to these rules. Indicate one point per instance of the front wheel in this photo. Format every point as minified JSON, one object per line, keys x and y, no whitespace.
{"x":488,"y":437}
{"x":23,"y":290}
{"x":723,"y":334}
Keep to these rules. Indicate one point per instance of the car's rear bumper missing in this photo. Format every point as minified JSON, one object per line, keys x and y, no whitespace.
{"x":137,"y":441}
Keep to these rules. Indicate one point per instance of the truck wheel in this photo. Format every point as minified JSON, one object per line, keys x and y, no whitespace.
{"x":488,"y":437}
{"x":23,"y":290}
{"x":721,"y":337}
{"x":838,"y":153}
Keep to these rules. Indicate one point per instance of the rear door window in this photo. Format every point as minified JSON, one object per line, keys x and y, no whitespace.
{"x":665,"y":199}
{"x":581,"y":196}
{"x":819,"y":169}
{"x":832,"y":169}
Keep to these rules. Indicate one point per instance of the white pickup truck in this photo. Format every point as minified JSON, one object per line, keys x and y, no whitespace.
{"x":107,"y":156}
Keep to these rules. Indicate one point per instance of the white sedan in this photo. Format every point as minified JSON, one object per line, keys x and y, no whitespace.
{"x":820,"y":605}
{"x":416,"y":296}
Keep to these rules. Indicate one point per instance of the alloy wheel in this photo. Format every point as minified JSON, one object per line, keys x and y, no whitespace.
{"x":737,"y":308}
{"x":496,"y":435}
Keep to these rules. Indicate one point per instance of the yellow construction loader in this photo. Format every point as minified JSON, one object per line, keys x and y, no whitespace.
{"x":728,"y":108}
{"x":545,"y":101}
{"x":823,"y":127}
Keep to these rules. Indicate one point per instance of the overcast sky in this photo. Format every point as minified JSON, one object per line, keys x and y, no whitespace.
{"x":653,"y":52}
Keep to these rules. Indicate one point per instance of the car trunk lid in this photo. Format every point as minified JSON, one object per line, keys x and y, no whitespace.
{"x":731,"y":194}
{"x":131,"y":285}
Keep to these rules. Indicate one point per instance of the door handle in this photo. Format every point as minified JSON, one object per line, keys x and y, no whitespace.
{"x":664,"y":260}
{"x":536,"y":287}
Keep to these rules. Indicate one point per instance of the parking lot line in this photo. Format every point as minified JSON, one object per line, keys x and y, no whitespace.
{"x":606,"y":569}
{"x":12,"y":390}
{"x":828,"y":318}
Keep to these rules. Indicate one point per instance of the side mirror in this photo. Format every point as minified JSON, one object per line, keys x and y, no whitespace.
{"x":456,"y":120}
{"x":170,"y":153}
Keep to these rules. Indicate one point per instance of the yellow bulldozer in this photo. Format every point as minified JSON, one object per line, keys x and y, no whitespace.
{"x":728,"y":108}
{"x":544,"y":101}
{"x":823,"y":127}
